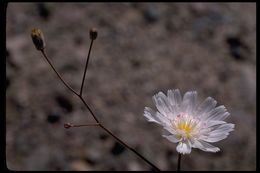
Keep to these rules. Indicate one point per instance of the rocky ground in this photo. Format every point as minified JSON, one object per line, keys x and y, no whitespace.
{"x":142,"y":48}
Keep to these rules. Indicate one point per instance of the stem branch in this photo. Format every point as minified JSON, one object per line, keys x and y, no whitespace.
{"x":86,"y":67}
{"x":91,"y":112}
{"x":45,"y":56}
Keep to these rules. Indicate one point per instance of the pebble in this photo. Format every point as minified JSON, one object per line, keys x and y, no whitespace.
{"x":43,"y":11}
{"x":151,"y":14}
{"x":238,"y":50}
{"x":117,"y":149}
{"x":53,"y":117}
{"x":64,"y":103}
{"x":80,"y":165}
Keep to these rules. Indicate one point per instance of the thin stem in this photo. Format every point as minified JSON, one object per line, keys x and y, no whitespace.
{"x":46,"y":57}
{"x":86,"y":67}
{"x":131,"y":149}
{"x":81,"y":125}
{"x":94,"y":116}
{"x":91,"y":112}
{"x":179,"y":163}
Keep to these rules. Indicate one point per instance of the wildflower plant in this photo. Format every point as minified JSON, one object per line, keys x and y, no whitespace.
{"x":188,"y":123}
{"x":185,"y":122}
{"x":39,"y":42}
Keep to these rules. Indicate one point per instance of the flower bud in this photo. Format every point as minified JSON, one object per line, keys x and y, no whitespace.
{"x":67,"y":125}
{"x":93,"y":33}
{"x":38,"y":39}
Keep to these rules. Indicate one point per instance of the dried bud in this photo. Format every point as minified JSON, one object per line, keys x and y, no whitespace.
{"x":93,"y":33}
{"x":38,"y":39}
{"x":67,"y":125}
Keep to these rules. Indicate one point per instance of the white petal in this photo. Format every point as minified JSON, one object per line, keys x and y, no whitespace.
{"x":184,"y":147}
{"x":220,"y":116}
{"x":172,"y":138}
{"x":189,"y":102}
{"x":214,"y":138}
{"x":204,"y":146}
{"x":219,"y":113}
{"x":170,"y":130}
{"x":214,"y":123}
{"x":174,"y":97}
{"x":156,"y":117}
{"x":162,"y":104}
{"x":207,"y":105}
{"x":210,"y":126}
{"x":224,"y":128}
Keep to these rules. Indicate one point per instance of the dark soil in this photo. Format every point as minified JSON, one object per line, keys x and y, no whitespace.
{"x":141,"y":49}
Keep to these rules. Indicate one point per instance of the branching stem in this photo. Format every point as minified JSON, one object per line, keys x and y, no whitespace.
{"x":98,"y":123}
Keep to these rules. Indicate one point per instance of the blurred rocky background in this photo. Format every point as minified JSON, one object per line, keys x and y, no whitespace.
{"x":142,"y":48}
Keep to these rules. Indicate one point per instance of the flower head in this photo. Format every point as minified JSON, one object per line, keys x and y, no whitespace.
{"x":38,"y":39}
{"x":188,"y":123}
{"x":93,"y":33}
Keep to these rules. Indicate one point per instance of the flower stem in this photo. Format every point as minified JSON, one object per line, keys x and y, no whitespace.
{"x":131,"y":149}
{"x":65,"y":83}
{"x":179,"y":163}
{"x":86,"y":67}
{"x":69,"y":125}
{"x":92,"y":113}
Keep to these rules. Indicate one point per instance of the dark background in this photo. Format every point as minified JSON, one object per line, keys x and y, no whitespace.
{"x":141,"y":49}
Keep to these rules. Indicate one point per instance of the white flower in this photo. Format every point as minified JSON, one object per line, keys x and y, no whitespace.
{"x":189,"y":124}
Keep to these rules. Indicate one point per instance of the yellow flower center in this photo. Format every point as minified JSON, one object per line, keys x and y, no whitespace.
{"x":185,"y":125}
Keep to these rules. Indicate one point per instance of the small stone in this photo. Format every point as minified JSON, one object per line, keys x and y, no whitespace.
{"x":43,"y":11}
{"x":64,"y":103}
{"x":90,"y":161}
{"x":238,"y":50}
{"x":103,"y":136}
{"x":117,"y":149}
{"x":53,"y":117}
{"x":151,"y":15}
{"x":80,"y":165}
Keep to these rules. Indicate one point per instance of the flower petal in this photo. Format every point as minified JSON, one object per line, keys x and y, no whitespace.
{"x":172,"y":138}
{"x":224,"y":128}
{"x":204,"y":146}
{"x":184,"y":147}
{"x":170,"y":130}
{"x":207,"y":105}
{"x":219,"y":113}
{"x":217,"y":134}
{"x":214,"y":138}
{"x":156,"y":117}
{"x":174,"y":97}
{"x":163,"y":105}
{"x":214,"y":123}
{"x":189,"y":102}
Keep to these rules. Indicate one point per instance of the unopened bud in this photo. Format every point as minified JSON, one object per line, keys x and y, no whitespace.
{"x":38,"y":39}
{"x":93,"y":33}
{"x":67,"y":125}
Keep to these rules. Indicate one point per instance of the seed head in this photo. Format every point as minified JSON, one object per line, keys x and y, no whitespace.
{"x":93,"y":33}
{"x":38,"y":39}
{"x":67,"y":125}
